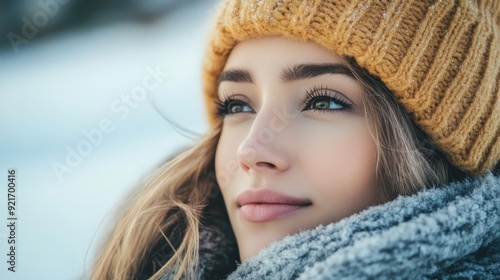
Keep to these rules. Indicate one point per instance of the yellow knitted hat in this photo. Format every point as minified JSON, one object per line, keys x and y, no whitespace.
{"x":441,"y":59}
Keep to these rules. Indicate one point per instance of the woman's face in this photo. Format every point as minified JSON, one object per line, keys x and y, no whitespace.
{"x":295,"y":150}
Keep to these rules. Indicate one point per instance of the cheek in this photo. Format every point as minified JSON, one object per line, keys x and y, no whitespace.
{"x":226,"y":162}
{"x":349,"y":159}
{"x":343,"y":171}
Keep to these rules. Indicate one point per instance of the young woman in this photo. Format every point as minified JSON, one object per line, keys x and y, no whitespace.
{"x":348,"y":140}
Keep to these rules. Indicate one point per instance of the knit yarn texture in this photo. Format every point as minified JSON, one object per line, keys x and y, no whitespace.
{"x":441,"y":59}
{"x":449,"y":232}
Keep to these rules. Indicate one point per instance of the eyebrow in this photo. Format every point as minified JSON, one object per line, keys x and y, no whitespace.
{"x":290,"y":74}
{"x":236,"y":75}
{"x":307,"y":71}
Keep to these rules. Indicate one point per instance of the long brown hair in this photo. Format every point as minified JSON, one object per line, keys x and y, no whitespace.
{"x":159,"y":231}
{"x":407,"y":160}
{"x":164,"y":211}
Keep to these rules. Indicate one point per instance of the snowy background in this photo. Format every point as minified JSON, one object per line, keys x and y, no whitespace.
{"x":60,"y":88}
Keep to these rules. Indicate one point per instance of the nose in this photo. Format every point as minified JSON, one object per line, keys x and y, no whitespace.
{"x":264,"y":150}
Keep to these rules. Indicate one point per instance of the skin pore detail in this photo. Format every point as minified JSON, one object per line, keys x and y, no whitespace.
{"x":312,"y":165}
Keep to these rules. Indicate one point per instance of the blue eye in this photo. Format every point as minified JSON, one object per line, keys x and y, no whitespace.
{"x":324,"y":103}
{"x":323,"y":99}
{"x":231,"y":106}
{"x":234,"y":107}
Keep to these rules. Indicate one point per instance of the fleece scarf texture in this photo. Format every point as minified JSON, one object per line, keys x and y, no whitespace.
{"x":451,"y":232}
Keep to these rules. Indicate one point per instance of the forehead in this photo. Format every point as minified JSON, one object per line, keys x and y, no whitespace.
{"x":273,"y":53}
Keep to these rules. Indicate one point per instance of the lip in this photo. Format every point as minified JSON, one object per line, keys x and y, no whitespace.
{"x":266,"y":205}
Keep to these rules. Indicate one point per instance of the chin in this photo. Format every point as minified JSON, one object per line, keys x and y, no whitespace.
{"x":251,"y":242}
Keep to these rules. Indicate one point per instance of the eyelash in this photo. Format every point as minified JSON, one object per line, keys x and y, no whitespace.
{"x":332,"y":95}
{"x":223,"y":105}
{"x":311,"y":95}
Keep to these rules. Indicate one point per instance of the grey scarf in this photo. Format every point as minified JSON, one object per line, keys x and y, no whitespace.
{"x":452,"y":232}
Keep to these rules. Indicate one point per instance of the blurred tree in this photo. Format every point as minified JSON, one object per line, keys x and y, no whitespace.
{"x":28,"y":20}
